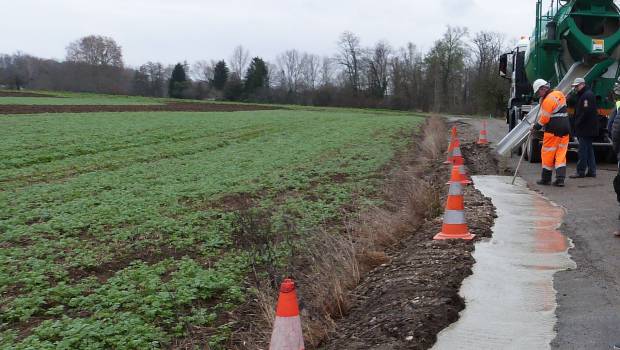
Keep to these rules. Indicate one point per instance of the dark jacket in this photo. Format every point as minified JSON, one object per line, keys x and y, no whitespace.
{"x":586,"y":114}
{"x":614,"y":132}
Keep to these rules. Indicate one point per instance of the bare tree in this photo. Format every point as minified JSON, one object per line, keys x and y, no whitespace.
{"x":239,"y":60}
{"x":18,"y":70}
{"x":273,"y":73}
{"x":289,"y":66}
{"x":488,"y":89}
{"x":349,"y":57}
{"x":95,"y":50}
{"x":203,"y":70}
{"x":378,"y":69}
{"x":326,"y":71}
{"x":446,"y":61}
{"x":310,"y":69}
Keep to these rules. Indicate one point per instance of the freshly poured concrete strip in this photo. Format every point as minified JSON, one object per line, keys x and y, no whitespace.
{"x":510,"y":299}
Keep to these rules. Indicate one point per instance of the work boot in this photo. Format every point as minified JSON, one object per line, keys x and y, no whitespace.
{"x":545,"y":178}
{"x":577,"y":176}
{"x":560,"y":175}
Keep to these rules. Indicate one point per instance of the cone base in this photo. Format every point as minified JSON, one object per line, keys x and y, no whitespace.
{"x":462,"y":182}
{"x":482,"y":143}
{"x":465,"y":236}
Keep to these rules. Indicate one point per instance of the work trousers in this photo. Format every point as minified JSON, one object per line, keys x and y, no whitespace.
{"x":617,"y":182}
{"x":586,"y":156}
{"x":553,"y":151}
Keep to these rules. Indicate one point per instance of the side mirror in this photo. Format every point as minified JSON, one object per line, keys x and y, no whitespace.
{"x":503,"y":66}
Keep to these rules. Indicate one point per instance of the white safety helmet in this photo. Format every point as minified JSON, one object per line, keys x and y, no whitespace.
{"x":617,"y":87}
{"x":539,"y":83}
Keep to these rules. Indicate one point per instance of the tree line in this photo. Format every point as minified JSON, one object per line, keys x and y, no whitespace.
{"x":457,"y":74}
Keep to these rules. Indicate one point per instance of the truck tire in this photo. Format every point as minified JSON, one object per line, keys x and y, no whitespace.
{"x":533,"y":150}
{"x":512,"y":120}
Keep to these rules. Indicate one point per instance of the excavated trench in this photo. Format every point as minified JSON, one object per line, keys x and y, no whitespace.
{"x":405,"y":303}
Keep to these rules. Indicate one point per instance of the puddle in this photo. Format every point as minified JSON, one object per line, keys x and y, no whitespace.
{"x":510,"y":297}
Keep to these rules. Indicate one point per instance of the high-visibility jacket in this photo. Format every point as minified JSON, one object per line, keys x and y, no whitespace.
{"x":553,"y":114}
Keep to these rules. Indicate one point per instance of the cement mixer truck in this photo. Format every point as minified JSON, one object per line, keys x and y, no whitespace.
{"x":575,"y":38}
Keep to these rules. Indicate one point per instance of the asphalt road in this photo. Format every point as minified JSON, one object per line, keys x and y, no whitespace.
{"x":589,"y":296}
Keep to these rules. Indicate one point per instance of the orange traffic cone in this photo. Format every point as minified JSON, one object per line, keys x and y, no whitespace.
{"x":457,"y":156}
{"x":482,"y":139}
{"x":464,"y":178}
{"x":459,"y":175}
{"x":287,"y":333}
{"x":454,"y":225}
{"x":451,"y":145}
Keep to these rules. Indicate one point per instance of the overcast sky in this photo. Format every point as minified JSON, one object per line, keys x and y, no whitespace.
{"x":175,"y":30}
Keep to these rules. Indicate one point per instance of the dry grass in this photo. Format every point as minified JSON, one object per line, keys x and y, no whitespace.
{"x":434,"y":139}
{"x":334,"y":263}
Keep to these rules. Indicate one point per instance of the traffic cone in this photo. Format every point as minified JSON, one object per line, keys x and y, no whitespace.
{"x":287,"y":333}
{"x":458,"y":174}
{"x":457,"y":156}
{"x":453,"y":138}
{"x":454,"y":225}
{"x":482,"y":139}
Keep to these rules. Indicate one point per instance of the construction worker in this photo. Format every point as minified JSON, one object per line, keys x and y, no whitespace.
{"x":553,"y":119}
{"x":586,"y":125}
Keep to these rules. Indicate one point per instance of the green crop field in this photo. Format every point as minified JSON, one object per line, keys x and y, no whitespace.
{"x":117,"y":229}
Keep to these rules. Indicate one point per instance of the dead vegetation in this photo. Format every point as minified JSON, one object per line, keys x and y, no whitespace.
{"x":331,"y":264}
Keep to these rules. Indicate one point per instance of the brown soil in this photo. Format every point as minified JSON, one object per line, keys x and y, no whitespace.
{"x":23,"y":94}
{"x":406,"y":302}
{"x":169,"y":107}
{"x":150,"y":256}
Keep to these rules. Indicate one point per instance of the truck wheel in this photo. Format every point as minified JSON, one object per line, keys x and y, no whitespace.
{"x":533,"y":151}
{"x":512,"y":121}
{"x":609,"y":156}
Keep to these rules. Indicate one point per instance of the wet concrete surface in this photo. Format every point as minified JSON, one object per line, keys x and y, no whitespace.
{"x":588,"y":296}
{"x":510,"y":298}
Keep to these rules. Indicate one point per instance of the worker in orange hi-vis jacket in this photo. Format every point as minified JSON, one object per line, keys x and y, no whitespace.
{"x":554,"y":121}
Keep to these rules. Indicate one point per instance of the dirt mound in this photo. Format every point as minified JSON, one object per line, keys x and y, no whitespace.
{"x":22,"y":94}
{"x":477,"y":159}
{"x":169,"y":107}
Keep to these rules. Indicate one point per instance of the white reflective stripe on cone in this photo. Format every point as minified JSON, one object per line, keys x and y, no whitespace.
{"x":454,"y":217}
{"x":456,"y":189}
{"x":456,"y":152}
{"x":287,"y":334}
